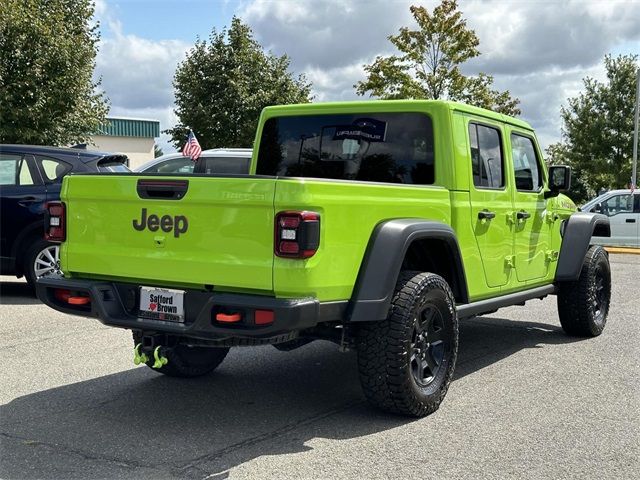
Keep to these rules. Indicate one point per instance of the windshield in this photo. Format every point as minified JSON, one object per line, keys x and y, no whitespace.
{"x":380,"y":147}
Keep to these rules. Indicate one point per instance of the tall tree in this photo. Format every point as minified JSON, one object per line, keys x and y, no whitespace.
{"x":157,"y":151}
{"x":47,"y":58}
{"x":224,"y":84}
{"x":429,"y":60}
{"x":597,"y":133}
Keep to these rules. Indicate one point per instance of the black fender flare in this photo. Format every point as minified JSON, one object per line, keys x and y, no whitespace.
{"x":383,"y":260}
{"x":576,"y":238}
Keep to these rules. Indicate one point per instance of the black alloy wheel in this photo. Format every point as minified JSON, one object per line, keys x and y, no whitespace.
{"x":427,"y":345}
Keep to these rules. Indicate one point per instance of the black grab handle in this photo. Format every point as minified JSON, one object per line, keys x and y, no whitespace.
{"x":162,"y":189}
{"x":486,"y":215}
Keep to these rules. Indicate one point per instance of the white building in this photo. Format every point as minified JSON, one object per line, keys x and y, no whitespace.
{"x":132,"y":136}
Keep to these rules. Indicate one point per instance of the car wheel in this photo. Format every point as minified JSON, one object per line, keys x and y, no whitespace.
{"x":406,"y":362}
{"x":185,"y":361}
{"x":42,"y":259}
{"x":583,"y":305}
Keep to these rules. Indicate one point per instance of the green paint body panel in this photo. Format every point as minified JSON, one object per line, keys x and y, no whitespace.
{"x":229,"y":242}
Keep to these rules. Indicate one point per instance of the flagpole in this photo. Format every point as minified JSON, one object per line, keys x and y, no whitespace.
{"x":635,"y":133}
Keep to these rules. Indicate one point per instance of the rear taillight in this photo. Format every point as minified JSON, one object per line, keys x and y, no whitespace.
{"x":297,"y":234}
{"x":54,"y":226}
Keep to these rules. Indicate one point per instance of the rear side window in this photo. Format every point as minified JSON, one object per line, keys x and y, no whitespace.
{"x":487,"y":163}
{"x":381,"y":147}
{"x":221,"y":165}
{"x":53,"y":169}
{"x":525,"y":163}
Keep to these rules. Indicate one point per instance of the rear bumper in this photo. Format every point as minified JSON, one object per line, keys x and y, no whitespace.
{"x":116,"y":305}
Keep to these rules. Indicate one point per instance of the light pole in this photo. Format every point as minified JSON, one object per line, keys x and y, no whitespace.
{"x":634,"y":169}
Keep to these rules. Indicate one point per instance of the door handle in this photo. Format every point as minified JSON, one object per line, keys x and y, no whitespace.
{"x":630,"y":220}
{"x":24,"y":201}
{"x":486,"y":215}
{"x":522,"y":215}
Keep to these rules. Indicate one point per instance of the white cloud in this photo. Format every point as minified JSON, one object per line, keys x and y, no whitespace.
{"x":539,"y":51}
{"x":326,"y":33}
{"x":137,"y":73}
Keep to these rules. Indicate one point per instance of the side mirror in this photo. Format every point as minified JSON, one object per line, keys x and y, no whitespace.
{"x":559,"y":180}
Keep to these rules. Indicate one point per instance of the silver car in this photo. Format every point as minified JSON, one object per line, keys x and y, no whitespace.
{"x":623,"y":209}
{"x":216,"y":160}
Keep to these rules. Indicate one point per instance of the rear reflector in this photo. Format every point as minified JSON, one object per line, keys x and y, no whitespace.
{"x":228,"y":318}
{"x":79,"y":300}
{"x":61,"y":294}
{"x":264,"y":317}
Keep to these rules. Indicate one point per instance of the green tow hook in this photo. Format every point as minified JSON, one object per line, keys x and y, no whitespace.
{"x":160,"y":359}
{"x":138,"y":357}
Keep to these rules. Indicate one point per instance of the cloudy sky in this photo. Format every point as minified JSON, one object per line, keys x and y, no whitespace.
{"x":538,"y":49}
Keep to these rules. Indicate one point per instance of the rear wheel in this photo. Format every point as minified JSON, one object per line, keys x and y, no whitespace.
{"x":42,"y":258}
{"x":583,"y":305}
{"x":406,"y":362}
{"x":186,"y":361}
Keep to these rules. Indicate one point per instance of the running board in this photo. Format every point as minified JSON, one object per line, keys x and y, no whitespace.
{"x":467,"y":310}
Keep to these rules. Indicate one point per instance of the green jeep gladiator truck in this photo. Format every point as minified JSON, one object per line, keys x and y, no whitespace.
{"x":377,"y":225}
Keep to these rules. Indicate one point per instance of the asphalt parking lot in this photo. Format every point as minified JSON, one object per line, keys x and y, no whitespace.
{"x":527,"y":402}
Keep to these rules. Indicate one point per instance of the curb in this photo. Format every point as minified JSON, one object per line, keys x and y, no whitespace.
{"x":631,"y":250}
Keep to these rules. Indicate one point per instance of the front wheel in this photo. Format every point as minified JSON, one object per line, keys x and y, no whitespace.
{"x":406,"y":362}
{"x":583,"y":305}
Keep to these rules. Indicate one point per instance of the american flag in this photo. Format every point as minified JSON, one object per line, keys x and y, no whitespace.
{"x":192,"y":147}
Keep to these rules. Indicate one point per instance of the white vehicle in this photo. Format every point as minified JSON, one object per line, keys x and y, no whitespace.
{"x":623,"y":209}
{"x":216,"y":160}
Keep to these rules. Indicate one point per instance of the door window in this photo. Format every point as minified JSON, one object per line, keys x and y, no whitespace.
{"x":617,"y":204}
{"x":487,"y":161}
{"x":175,"y":165}
{"x":52,"y":169}
{"x":222,"y":165}
{"x":526,"y":163}
{"x":14,"y":170}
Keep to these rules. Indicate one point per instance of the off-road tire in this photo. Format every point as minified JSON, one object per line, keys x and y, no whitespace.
{"x":386,"y":348}
{"x":583,"y":305}
{"x":186,"y":361}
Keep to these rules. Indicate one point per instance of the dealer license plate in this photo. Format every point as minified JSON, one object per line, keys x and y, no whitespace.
{"x":162,"y":304}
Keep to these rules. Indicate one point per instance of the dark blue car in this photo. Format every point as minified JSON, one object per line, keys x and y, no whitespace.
{"x":30,"y":176}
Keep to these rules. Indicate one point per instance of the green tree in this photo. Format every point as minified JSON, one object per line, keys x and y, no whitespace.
{"x":47,"y":58}
{"x":157,"y":151}
{"x":597,"y":132}
{"x":224,"y":84}
{"x":428,"y":64}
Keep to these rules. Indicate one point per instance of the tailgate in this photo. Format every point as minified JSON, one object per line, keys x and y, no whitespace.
{"x":166,"y":230}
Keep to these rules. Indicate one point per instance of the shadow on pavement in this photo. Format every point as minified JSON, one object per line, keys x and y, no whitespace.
{"x":17,"y":293}
{"x":140,"y":423}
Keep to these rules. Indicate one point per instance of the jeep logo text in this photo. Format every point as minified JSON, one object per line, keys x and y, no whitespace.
{"x":179,"y":224}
